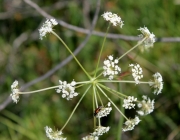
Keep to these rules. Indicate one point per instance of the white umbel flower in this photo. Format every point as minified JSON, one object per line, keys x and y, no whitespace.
{"x":53,"y":135}
{"x":136,"y":72}
{"x":129,"y":102}
{"x":90,"y":137}
{"x":157,"y":84}
{"x":150,"y":38}
{"x":103,"y":111}
{"x":113,"y":18}
{"x":68,"y":90}
{"x":111,"y":67}
{"x":15,"y":92}
{"x":129,"y":124}
{"x":146,"y":106}
{"x":47,"y":27}
{"x":100,"y":131}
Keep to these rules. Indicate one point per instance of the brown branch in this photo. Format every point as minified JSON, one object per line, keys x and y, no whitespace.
{"x":86,"y":31}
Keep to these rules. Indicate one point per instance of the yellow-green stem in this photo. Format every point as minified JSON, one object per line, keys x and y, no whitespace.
{"x":72,"y":54}
{"x":94,"y":90}
{"x":99,"y":97}
{"x":119,"y":135}
{"x":102,"y":49}
{"x":35,"y":91}
{"x":112,"y":103}
{"x":93,"y":110}
{"x":75,"y":108}
{"x":117,"y":95}
{"x":122,"y":81}
{"x":111,"y":90}
{"x":133,"y":48}
{"x":95,"y":97}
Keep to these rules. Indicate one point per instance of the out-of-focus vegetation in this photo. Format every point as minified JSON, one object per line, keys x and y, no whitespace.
{"x":25,"y":59}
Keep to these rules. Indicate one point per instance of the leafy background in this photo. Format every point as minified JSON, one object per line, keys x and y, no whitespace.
{"x":29,"y":58}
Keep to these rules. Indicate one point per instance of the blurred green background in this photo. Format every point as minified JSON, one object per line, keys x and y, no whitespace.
{"x":24,"y":57}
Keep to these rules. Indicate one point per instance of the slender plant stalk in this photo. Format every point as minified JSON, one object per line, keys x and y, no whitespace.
{"x":123,"y":81}
{"x":112,"y":103}
{"x":111,"y":90}
{"x":139,"y":43}
{"x":120,"y":125}
{"x":99,"y":122}
{"x":99,"y":97}
{"x":83,"y":82}
{"x":102,"y":49}
{"x":72,"y":54}
{"x":93,"y":110}
{"x":99,"y":75}
{"x":95,"y":97}
{"x":75,"y":108}
{"x":40,"y":90}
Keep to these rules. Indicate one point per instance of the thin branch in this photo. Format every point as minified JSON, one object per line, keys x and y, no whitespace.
{"x":12,"y":8}
{"x":102,"y":34}
{"x":5,"y":103}
{"x":19,"y":40}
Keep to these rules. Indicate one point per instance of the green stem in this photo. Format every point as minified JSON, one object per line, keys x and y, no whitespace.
{"x":71,"y":54}
{"x":120,"y":125}
{"x":102,"y":49}
{"x":35,"y":91}
{"x":99,"y":75}
{"x":99,"y":97}
{"x":111,"y":90}
{"x":75,"y":108}
{"x":83,"y":82}
{"x":95,"y":97}
{"x":112,"y":103}
{"x":133,"y":48}
{"x":93,"y":110}
{"x":99,"y":122}
{"x":122,"y":81}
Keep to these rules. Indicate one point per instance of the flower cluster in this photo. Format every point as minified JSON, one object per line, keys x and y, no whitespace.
{"x":68,"y":90}
{"x":136,"y":72}
{"x":129,"y":124}
{"x":15,"y":91}
{"x":53,"y":135}
{"x":103,"y":111}
{"x":110,"y":67}
{"x":100,"y":131}
{"x":47,"y":27}
{"x":90,"y":137}
{"x":150,"y":38}
{"x":157,"y":84}
{"x":128,"y":103}
{"x":113,"y":18}
{"x":146,"y":106}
